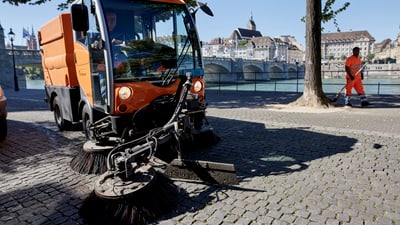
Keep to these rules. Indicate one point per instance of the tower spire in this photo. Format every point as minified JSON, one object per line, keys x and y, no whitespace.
{"x":251,"y":25}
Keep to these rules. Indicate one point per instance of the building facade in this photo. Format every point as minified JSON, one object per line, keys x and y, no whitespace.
{"x":387,"y":51}
{"x":249,"y":43}
{"x":339,"y":45}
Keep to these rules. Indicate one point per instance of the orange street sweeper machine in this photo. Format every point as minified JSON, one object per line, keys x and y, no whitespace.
{"x":132,"y":73}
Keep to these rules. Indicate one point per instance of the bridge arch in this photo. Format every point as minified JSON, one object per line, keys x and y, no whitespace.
{"x":215,"y":68}
{"x":276,"y":72}
{"x":217,"y":73}
{"x":254,"y":72}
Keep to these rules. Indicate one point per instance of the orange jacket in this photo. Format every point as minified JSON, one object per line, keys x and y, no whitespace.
{"x":353,"y":64}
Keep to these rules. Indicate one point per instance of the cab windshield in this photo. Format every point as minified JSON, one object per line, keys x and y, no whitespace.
{"x":150,"y":41}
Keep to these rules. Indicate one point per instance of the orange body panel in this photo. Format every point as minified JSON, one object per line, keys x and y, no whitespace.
{"x":83,"y":71}
{"x":56,"y":40}
{"x":143,"y":94}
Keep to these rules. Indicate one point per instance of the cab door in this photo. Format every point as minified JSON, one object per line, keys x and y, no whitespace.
{"x":90,"y":63}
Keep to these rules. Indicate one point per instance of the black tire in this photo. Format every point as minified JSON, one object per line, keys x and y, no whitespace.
{"x":3,"y":129}
{"x":86,"y":122}
{"x":62,"y":124}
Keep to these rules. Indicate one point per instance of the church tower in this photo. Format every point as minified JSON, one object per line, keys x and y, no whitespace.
{"x":31,"y":42}
{"x":251,"y":25}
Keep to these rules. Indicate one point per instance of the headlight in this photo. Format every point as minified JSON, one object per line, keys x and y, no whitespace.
{"x":197,"y":86}
{"x":124,"y":93}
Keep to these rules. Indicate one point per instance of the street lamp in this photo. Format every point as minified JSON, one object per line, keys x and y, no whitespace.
{"x":11,"y":36}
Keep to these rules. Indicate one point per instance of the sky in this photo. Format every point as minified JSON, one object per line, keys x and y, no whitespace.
{"x":272,"y":18}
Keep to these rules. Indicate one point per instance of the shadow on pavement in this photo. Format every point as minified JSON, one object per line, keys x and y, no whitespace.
{"x":377,"y":101}
{"x":257,"y":151}
{"x":41,"y":204}
{"x":36,"y":157}
{"x":27,"y":143}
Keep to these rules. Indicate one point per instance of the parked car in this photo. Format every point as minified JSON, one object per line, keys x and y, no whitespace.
{"x":3,"y":115}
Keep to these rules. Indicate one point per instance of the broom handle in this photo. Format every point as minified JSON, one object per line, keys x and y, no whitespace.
{"x":359,"y":70}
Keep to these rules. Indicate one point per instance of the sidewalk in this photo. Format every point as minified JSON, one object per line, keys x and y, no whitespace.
{"x":383,"y":116}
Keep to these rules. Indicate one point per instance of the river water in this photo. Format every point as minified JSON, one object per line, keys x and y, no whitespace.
{"x":371,"y":86}
{"x":35,"y":84}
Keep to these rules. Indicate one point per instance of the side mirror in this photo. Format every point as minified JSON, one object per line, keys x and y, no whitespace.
{"x":204,"y":8}
{"x":80,"y":18}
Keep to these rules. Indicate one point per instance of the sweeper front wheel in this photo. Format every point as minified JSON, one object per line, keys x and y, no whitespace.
{"x":140,"y":199}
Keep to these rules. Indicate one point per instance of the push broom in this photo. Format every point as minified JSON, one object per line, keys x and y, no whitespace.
{"x":90,"y":161}
{"x":340,"y":91}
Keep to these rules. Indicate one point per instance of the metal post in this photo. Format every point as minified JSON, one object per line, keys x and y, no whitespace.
{"x":11,"y":36}
{"x":297,"y":77}
{"x":219,"y":81}
{"x":237,"y":81}
{"x":379,"y":87}
{"x":255,"y":81}
{"x":16,"y":88}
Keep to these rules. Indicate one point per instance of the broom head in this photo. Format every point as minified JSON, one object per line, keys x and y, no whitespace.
{"x":92,"y":158}
{"x":146,"y":195}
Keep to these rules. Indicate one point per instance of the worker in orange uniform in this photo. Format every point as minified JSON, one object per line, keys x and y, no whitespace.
{"x":354,"y":78}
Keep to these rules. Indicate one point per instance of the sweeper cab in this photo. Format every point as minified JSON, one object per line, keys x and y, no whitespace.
{"x":119,"y":66}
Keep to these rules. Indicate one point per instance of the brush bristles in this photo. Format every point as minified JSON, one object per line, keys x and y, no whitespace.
{"x":90,"y":162}
{"x":141,"y":207}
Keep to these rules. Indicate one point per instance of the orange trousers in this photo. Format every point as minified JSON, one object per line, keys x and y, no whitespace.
{"x":356,"y":84}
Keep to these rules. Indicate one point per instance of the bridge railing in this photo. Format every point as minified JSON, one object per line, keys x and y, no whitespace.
{"x":373,"y":84}
{"x":31,"y":53}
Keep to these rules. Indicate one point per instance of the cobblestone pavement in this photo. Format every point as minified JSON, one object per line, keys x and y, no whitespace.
{"x":295,"y":165}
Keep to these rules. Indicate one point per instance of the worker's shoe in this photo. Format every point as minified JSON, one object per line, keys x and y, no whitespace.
{"x":348,"y":105}
{"x":365,"y":103}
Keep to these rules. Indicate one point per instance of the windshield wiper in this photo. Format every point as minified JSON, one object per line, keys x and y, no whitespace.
{"x":169,"y":76}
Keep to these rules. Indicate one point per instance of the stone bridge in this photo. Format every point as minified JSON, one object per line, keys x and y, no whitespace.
{"x":235,"y":69}
{"x":216,"y":69}
{"x":22,"y":57}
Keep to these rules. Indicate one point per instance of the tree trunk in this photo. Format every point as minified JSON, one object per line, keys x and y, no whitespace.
{"x":313,"y":95}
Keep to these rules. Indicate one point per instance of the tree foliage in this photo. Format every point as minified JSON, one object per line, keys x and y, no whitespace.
{"x":328,"y":13}
{"x":63,"y":5}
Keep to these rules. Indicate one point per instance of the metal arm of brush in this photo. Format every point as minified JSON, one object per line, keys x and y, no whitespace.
{"x":142,"y":149}
{"x":120,"y":159}
{"x":187,"y":85}
{"x":127,"y":162}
